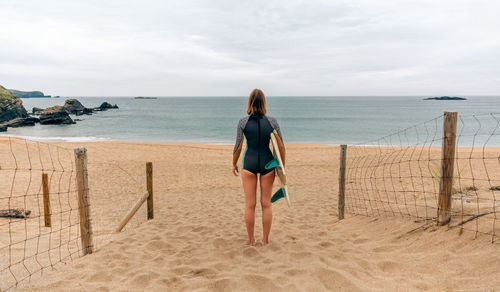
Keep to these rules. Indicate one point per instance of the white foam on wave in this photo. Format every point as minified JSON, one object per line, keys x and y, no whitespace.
{"x":58,"y":139}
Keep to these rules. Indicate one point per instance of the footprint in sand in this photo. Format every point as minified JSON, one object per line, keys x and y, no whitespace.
{"x":360,"y":240}
{"x":159,"y":259}
{"x":204,"y":272}
{"x":388,"y":266}
{"x":220,"y":243}
{"x":251,"y":252}
{"x":200,"y":229}
{"x":301,"y":255}
{"x":325,"y":244}
{"x":183,"y":228}
{"x":339,"y":256}
{"x":100,"y":277}
{"x":115,"y":256}
{"x":421,"y":286}
{"x":338,"y":241}
{"x":224,"y":285}
{"x":156,"y":245}
{"x":258,"y":282}
{"x":386,"y":248}
{"x":170,"y":282}
{"x":273,"y":247}
{"x":363,"y":263}
{"x":294,"y":272}
{"x":333,"y":280}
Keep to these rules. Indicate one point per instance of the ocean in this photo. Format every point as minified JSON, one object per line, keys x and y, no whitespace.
{"x":307,"y":119}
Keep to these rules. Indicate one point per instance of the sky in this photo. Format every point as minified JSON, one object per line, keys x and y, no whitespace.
{"x":227,"y":48}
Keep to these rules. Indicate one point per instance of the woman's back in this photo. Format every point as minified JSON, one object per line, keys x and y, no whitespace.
{"x":257,"y":130}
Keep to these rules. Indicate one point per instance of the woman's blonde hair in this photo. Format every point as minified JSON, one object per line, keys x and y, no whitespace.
{"x":256,"y":103}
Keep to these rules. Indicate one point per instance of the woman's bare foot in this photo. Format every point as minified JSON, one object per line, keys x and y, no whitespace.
{"x":264,"y":242}
{"x":252,"y":242}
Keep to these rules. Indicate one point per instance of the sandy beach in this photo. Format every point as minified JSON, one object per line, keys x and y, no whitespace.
{"x":198,"y":241}
{"x":118,"y":121}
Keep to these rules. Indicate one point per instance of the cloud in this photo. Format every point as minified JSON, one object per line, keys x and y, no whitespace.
{"x":229,"y":47}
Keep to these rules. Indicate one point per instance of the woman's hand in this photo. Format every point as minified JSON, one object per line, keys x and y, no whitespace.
{"x":235,"y":170}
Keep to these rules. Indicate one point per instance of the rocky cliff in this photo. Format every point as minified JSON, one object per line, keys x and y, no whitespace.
{"x":27,"y":94}
{"x":11,"y":107}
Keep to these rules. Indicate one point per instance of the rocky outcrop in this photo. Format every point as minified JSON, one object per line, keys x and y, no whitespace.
{"x":13,"y":114}
{"x":37,"y":110}
{"x":145,"y":97}
{"x":105,"y":106}
{"x":22,"y":122}
{"x":11,"y":107}
{"x":73,"y":106}
{"x":85,"y":111}
{"x":446,"y":98}
{"x":27,"y":94}
{"x":55,"y":115}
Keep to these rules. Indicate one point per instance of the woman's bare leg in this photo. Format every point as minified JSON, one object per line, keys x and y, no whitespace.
{"x":266,"y":189}
{"x":250,"y":187}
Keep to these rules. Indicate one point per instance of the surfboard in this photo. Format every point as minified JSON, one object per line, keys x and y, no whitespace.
{"x":280,"y":171}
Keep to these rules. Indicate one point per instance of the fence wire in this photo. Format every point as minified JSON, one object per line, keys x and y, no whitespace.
{"x":399,"y":174}
{"x":28,"y":248}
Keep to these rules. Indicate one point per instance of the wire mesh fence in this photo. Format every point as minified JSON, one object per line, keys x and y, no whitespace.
{"x":29,"y":244}
{"x":401,"y":174}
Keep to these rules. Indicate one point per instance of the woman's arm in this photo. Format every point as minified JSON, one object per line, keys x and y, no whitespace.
{"x":238,"y":145}
{"x":236,"y":154}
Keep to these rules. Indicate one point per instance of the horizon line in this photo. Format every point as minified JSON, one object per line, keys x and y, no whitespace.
{"x":163,"y":96}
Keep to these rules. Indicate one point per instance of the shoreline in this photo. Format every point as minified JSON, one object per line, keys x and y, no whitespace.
{"x":108,"y":140}
{"x":73,"y":140}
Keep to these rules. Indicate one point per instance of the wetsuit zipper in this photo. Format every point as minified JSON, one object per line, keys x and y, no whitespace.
{"x":258,"y":140}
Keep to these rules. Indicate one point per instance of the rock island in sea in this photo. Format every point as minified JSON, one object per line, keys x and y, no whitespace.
{"x":446,"y":98}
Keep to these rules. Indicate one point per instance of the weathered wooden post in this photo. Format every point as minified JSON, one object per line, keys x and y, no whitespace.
{"x":447,"y":162}
{"x":46,"y":200}
{"x":82,"y":184}
{"x":341,"y":203}
{"x":149,"y":182}
{"x":132,"y":211}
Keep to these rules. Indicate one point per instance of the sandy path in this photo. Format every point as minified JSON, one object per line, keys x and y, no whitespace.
{"x":198,"y":239}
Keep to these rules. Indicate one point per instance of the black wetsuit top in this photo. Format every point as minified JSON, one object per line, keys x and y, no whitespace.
{"x":257,"y":130}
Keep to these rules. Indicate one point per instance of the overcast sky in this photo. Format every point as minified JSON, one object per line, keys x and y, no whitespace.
{"x":172,"y":48}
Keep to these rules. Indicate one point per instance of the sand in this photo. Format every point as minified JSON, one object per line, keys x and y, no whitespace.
{"x":198,"y":241}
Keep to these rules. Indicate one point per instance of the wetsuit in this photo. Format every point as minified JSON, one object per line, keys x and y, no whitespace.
{"x":257,"y":130}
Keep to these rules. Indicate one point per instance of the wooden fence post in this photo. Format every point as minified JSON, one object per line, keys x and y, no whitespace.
{"x":82,"y":184}
{"x":447,"y":162}
{"x":149,"y":181}
{"x":341,"y":203}
{"x":46,"y":200}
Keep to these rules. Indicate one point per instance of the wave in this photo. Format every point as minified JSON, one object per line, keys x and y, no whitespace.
{"x":58,"y":139}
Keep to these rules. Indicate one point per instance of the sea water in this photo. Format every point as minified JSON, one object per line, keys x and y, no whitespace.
{"x":307,"y":119}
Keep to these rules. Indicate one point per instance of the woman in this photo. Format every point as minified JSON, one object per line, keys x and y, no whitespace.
{"x":256,"y":128}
